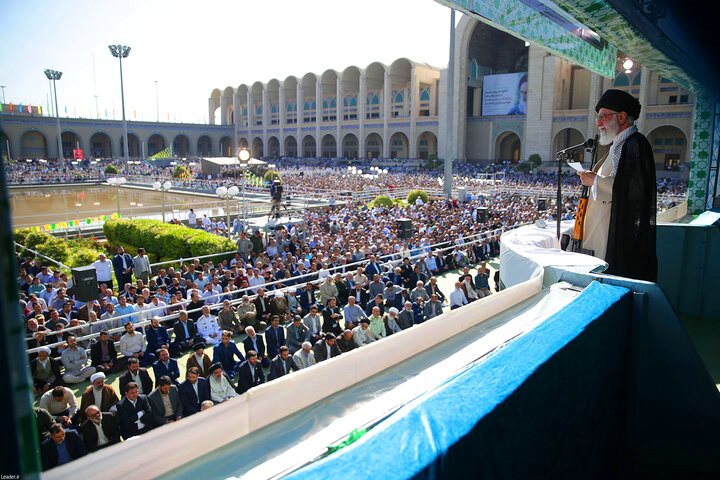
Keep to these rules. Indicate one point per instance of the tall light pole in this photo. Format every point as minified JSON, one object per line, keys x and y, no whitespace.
{"x":227,"y":194}
{"x":3,"y":91}
{"x":243,"y":158}
{"x":157,"y":102}
{"x":162,"y":187}
{"x":55,"y":75}
{"x":120,"y":52}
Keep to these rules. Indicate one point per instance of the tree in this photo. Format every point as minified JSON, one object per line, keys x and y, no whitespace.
{"x":111,"y":170}
{"x":182,"y":172}
{"x":271,"y":175}
{"x":535,"y":160}
{"x":415,"y":194}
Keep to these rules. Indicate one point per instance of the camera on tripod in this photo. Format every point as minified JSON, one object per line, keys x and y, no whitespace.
{"x":276,"y":190}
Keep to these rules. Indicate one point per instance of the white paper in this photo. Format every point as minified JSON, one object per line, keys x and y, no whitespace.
{"x":576,"y":166}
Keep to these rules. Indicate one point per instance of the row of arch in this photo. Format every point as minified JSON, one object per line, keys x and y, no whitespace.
{"x":34,"y":144}
{"x":315,"y":97}
{"x":349,"y":148}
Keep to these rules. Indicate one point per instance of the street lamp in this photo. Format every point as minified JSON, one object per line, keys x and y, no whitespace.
{"x":243,"y":156}
{"x":227,"y":194}
{"x":55,"y":75}
{"x":162,"y":187}
{"x":120,"y":52}
{"x":118,"y":182}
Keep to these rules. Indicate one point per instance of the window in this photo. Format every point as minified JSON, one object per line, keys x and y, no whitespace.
{"x":672,"y":99}
{"x":683,"y":98}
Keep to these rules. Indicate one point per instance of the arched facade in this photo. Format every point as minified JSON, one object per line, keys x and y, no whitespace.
{"x":204,"y":146}
{"x":399,"y":145}
{"x":427,"y":145}
{"x":226,"y":147}
{"x":70,"y":141}
{"x":309,"y":147}
{"x":568,"y":137}
{"x":100,"y":145}
{"x":181,"y":146}
{"x":507,"y":147}
{"x":33,"y":144}
{"x":156,"y":143}
{"x":350,"y":146}
{"x":273,"y":148}
{"x":133,"y":146}
{"x":328,"y":146}
{"x":291,"y":148}
{"x":258,"y":149}
{"x":373,"y":145}
{"x":670,"y":146}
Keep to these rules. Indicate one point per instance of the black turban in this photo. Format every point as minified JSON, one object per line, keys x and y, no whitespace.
{"x":619,"y":101}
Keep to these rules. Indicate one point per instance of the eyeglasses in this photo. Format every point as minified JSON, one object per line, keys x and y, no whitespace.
{"x":600,"y":118}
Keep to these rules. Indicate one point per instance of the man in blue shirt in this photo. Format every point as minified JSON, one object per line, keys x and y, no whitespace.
{"x":62,"y":447}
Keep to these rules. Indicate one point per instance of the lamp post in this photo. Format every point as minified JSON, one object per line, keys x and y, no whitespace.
{"x":55,"y":75}
{"x":162,"y":187}
{"x":120,"y":52}
{"x":243,"y":157}
{"x":227,"y":194}
{"x":118,"y":182}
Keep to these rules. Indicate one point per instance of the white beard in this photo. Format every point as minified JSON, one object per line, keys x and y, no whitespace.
{"x":611,"y":131}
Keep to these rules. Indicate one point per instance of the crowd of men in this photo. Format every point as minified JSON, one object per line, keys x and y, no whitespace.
{"x":341,"y":280}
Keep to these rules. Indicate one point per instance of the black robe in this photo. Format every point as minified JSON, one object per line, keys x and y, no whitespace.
{"x":631,"y":234}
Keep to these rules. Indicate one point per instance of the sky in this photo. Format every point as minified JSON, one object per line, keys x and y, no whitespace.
{"x":192,"y":47}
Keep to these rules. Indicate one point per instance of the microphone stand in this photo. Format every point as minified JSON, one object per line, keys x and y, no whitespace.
{"x":561,"y":156}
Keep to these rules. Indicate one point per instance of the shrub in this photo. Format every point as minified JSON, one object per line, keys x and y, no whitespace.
{"x":82,"y":257}
{"x":111,"y":170}
{"x":524,"y":167}
{"x":382,"y":201}
{"x":271,"y":175}
{"x":33,"y":239}
{"x":55,"y":248}
{"x":182,"y":172}
{"x":415,"y":194}
{"x":21,"y":235}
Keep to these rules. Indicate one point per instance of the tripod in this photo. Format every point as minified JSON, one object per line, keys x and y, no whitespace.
{"x":275,"y":208}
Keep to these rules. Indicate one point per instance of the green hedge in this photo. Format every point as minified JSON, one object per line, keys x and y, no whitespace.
{"x":415,"y":194}
{"x":73,"y":253}
{"x":382,"y":201}
{"x":165,"y":240}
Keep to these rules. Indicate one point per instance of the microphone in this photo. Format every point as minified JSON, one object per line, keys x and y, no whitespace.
{"x":589,"y":143}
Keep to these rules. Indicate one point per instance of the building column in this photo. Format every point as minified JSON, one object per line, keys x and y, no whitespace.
{"x":702,"y":153}
{"x":644,"y":96}
{"x":414,"y":93}
{"x":282,"y":111}
{"x":339,"y":112}
{"x":596,"y":83}
{"x":299,"y":96}
{"x":265,"y":120}
{"x":250,"y":116}
{"x":542,"y":76}
{"x":362,"y":112}
{"x":318,"y":116}
{"x":223,"y":109}
{"x":387,"y":100}
{"x":211,"y":111}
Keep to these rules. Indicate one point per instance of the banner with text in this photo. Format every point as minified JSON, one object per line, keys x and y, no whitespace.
{"x":505,"y":94}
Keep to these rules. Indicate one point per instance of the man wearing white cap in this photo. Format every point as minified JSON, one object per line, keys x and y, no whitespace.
{"x":279,"y":307}
{"x":45,"y":371}
{"x":391,"y":325}
{"x":104,"y":396}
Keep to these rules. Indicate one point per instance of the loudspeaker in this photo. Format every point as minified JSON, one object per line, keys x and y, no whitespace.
{"x":541,"y":204}
{"x":85,"y":286}
{"x":482,"y":214}
{"x":404,"y":227}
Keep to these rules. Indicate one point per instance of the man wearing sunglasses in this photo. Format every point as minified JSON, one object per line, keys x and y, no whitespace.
{"x":620,"y":218}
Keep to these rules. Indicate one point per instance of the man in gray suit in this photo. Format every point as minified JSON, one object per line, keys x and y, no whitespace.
{"x":165,"y":402}
{"x":433,"y":308}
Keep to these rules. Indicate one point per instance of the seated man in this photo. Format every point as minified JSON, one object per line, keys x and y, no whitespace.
{"x":362,"y":335}
{"x":274,"y":336}
{"x":345,"y":342}
{"x":45,"y":372}
{"x":331,"y":317}
{"x":225,"y":354}
{"x":200,"y":360}
{"x":228,"y":320}
{"x":247,"y":314}
{"x":221,"y":390}
{"x":208,"y":327}
{"x":313,"y":321}
{"x":166,"y":366}
{"x":103,"y":355}
{"x":134,"y":412}
{"x":193,"y":391}
{"x":136,"y":375}
{"x":165,"y":402}
{"x":326,"y":348}
{"x":98,"y":394}
{"x":406,"y":318}
{"x":282,"y":364}
{"x":157,"y":336}
{"x":132,"y":345}
{"x":185,"y":334}
{"x":250,"y":373}
{"x":255,"y":343}
{"x":75,"y":361}
{"x":62,"y":447}
{"x":99,"y":430}
{"x":305,"y":357}
{"x":297,"y":333}
{"x":61,"y":404}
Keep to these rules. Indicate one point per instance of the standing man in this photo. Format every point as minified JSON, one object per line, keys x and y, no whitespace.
{"x":141,"y":266}
{"x":192,"y":219}
{"x":123,"y":265}
{"x":103,"y":271}
{"x":620,"y":217}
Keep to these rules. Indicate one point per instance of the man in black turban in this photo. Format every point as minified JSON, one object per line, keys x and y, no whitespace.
{"x":620,"y":218}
